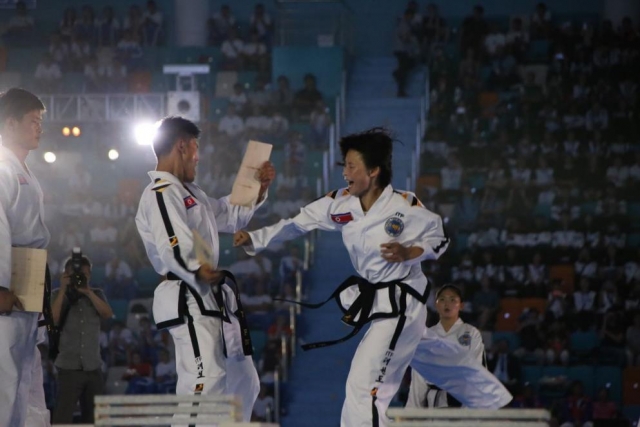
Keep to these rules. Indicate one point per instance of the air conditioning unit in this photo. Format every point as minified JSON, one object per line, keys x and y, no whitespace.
{"x":185,"y":104}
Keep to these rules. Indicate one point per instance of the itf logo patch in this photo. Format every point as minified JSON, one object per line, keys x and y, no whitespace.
{"x":189,"y":202}
{"x":394,"y":226}
{"x":465,"y":339}
{"x":342,"y":218}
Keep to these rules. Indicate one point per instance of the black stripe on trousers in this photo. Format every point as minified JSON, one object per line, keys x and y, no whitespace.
{"x":167,"y":225}
{"x":194,"y":344}
{"x":402,"y":319}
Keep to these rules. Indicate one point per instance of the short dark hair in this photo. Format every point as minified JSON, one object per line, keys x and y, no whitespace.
{"x":172,"y":129}
{"x":84,"y":262}
{"x":17,"y":102}
{"x":453,"y":288}
{"x":376,"y":147}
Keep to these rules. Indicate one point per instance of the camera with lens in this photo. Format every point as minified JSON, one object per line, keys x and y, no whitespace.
{"x":77,"y":278}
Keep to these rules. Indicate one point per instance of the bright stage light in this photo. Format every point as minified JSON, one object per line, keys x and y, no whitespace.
{"x":145,"y":132}
{"x":76,"y":131}
{"x":113,"y":154}
{"x":66,"y":131}
{"x":49,"y":157}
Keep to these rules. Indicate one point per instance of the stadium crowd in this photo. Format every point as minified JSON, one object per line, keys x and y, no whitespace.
{"x":531,"y":156}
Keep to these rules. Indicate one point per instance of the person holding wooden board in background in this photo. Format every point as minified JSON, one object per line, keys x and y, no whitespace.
{"x":21,"y":225}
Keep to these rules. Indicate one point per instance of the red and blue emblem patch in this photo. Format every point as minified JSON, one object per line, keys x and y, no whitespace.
{"x":189,"y":202}
{"x":22,"y":179}
{"x":342,"y":218}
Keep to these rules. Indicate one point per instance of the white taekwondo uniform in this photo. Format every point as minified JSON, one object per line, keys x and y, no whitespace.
{"x":390,"y":295}
{"x":445,"y":361}
{"x":423,"y":394}
{"x":207,"y":361}
{"x":22,"y":225}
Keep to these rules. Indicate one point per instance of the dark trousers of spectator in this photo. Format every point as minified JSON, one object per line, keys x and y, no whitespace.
{"x":74,"y":386}
{"x":405,"y":64}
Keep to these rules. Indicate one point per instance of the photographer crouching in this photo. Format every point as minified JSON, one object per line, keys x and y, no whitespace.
{"x":77,"y":311}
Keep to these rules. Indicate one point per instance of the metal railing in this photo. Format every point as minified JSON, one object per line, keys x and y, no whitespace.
{"x":101,"y":107}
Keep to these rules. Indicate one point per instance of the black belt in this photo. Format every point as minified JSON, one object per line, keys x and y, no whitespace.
{"x":362,"y":305}
{"x":247,"y":346}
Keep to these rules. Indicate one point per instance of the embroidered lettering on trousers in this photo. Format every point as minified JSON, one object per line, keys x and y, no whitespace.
{"x":383,"y":369}
{"x":200,"y":367}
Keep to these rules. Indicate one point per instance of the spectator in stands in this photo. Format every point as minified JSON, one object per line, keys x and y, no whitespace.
{"x":541,"y":22}
{"x":537,"y":276}
{"x":473,"y":31}
{"x":255,"y":53}
{"x":145,"y":340}
{"x":48,"y":75}
{"x":279,"y":327}
{"x":231,"y":124}
{"x":79,"y":53}
{"x":295,"y":154}
{"x":58,"y":49}
{"x":152,"y":20}
{"x":282,"y":96}
{"x":128,"y":50}
{"x":584,"y":299}
{"x":517,"y":38}
{"x":604,"y":408}
{"x":557,"y":343}
{"x":260,"y":94}
{"x":467,"y":209}
{"x":165,"y":372}
{"x":108,"y":28}
{"x":232,"y":48}
{"x":71,"y":237}
{"x":434,"y":28}
{"x":306,"y":98}
{"x":118,"y":278}
{"x":578,"y":409}
{"x":407,"y":50}
{"x":86,"y":26}
{"x":290,"y":264}
{"x":220,"y":24}
{"x":612,"y":338}
{"x":264,"y":407}
{"x":451,"y":179}
{"x":494,"y":42}
{"x":258,"y":123}
{"x":279,"y":124}
{"x":121,"y":343}
{"x":597,"y":118}
{"x":19,"y":31}
{"x":270,"y":362}
{"x":504,"y":365}
{"x":239,"y":99}
{"x":103,"y":234}
{"x":485,"y":304}
{"x":133,"y":22}
{"x":261,"y":24}
{"x":320,"y":122}
{"x":93,"y":82}
{"x":527,"y":399}
{"x":67,"y":26}
{"x":77,"y":310}
{"x":531,"y":337}
{"x":632,"y":336}
{"x":139,"y":375}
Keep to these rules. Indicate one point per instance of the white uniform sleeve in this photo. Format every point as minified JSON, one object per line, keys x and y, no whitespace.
{"x":432,"y":239}
{"x":166,"y":221}
{"x":231,"y":218}
{"x":313,"y":216}
{"x":8,"y":194}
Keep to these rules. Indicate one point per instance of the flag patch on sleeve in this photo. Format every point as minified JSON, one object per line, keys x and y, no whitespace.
{"x":342,"y":218}
{"x":189,"y":202}
{"x":22,"y":179}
